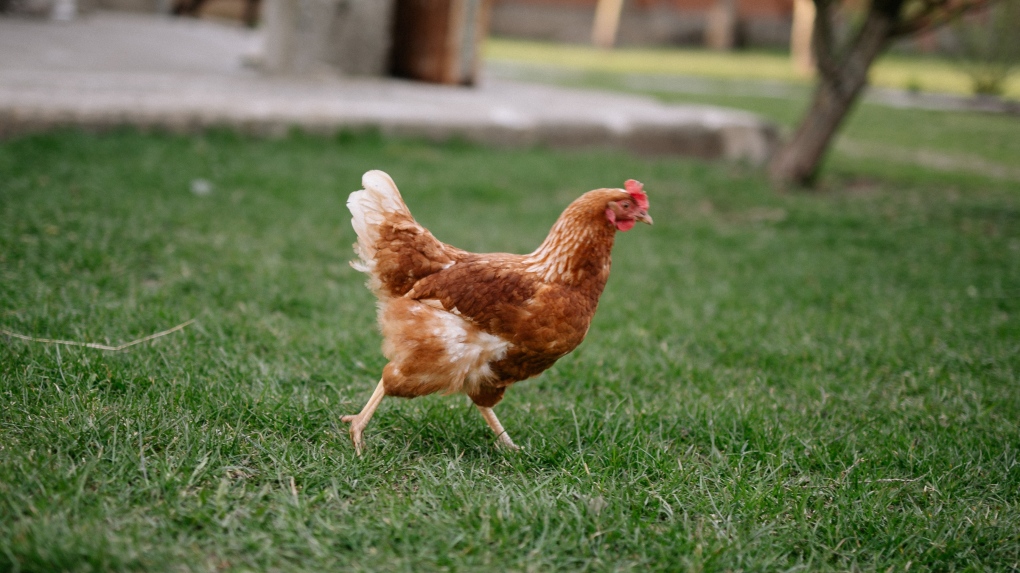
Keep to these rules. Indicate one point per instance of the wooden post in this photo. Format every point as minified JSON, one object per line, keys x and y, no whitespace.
{"x":800,"y":37}
{"x":721,"y":26}
{"x":439,"y":41}
{"x":607,"y":22}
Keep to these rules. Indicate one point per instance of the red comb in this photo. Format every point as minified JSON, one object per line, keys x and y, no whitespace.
{"x":635,"y":189}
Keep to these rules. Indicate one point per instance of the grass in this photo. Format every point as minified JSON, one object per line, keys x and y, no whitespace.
{"x":899,"y":71}
{"x":822,"y":382}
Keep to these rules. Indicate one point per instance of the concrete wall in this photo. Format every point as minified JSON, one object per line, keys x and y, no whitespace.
{"x":326,"y":36}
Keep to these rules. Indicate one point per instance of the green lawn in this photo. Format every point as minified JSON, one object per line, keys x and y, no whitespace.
{"x":821,"y":382}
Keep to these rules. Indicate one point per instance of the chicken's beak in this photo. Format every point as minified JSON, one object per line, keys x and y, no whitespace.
{"x":644,"y":217}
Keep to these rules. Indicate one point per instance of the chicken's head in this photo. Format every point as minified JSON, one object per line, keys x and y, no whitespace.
{"x":625,"y":212}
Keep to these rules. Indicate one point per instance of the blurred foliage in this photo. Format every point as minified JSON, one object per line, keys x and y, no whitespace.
{"x":988,"y":46}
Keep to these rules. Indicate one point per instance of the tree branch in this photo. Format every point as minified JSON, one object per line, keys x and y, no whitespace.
{"x":935,"y":14}
{"x":823,"y":41}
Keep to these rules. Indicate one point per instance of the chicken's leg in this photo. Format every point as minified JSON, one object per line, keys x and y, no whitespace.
{"x":493,"y":422}
{"x":359,"y":421}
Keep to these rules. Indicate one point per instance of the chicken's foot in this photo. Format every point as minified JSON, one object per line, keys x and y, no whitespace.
{"x":493,"y":422}
{"x":359,"y":421}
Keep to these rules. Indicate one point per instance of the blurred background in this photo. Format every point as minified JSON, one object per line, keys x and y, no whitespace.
{"x":442,"y":40}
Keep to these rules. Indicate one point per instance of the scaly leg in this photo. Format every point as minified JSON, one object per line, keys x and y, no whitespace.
{"x":359,"y":421}
{"x":493,"y":422}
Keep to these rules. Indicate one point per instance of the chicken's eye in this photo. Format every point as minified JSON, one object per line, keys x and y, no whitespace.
{"x":625,"y":204}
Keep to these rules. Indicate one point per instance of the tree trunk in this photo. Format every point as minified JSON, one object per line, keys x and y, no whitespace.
{"x":798,"y":160}
{"x":840,"y":83}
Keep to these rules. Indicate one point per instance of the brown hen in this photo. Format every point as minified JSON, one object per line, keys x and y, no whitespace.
{"x":454,"y":321}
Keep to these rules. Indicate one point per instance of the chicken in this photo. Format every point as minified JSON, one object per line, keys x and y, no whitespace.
{"x":459,"y":322}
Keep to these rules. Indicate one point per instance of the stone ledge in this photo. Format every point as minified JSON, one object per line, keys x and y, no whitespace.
{"x":501,"y":113}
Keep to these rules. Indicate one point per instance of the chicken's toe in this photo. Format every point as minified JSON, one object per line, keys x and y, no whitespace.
{"x":358,"y":439}
{"x":506,"y":442}
{"x":358,"y":424}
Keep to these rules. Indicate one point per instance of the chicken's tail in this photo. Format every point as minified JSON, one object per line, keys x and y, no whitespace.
{"x":370,"y":208}
{"x":393,"y":249}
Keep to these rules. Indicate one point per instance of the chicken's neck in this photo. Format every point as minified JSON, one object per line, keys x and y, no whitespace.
{"x":576,"y":252}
